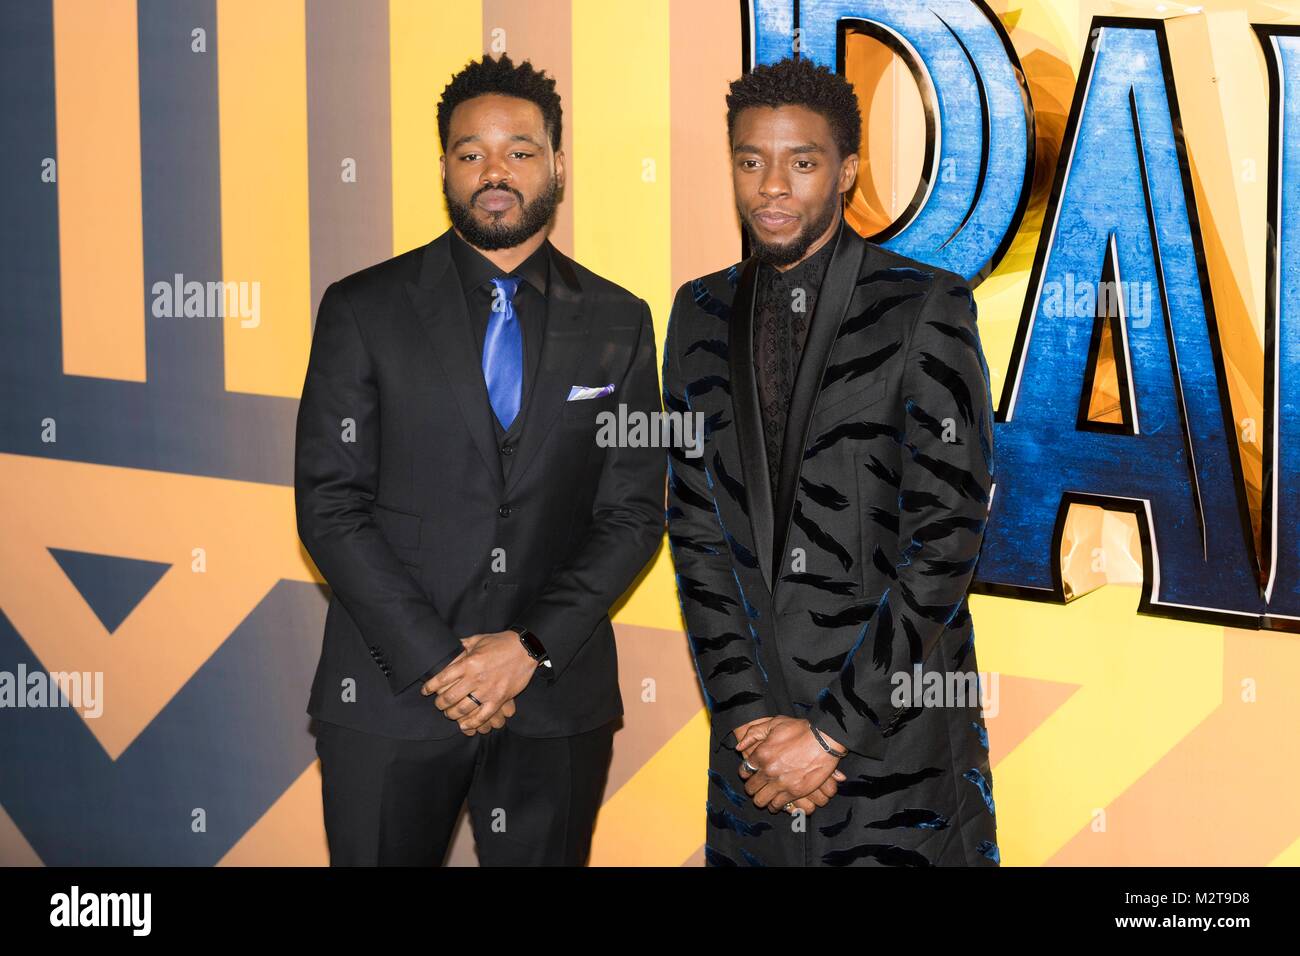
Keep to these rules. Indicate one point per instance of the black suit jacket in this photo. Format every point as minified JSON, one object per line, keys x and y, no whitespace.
{"x":811,"y":605}
{"x":403,"y":506}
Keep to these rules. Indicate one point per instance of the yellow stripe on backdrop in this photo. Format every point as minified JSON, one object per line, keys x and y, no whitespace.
{"x":1144,"y":683}
{"x":1290,"y":857}
{"x":428,"y":42}
{"x":101,"y":241}
{"x":621,"y":185}
{"x":265,"y":235}
{"x":657,"y":817}
{"x":621,"y":182}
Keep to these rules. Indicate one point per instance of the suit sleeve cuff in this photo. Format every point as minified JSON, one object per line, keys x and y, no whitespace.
{"x":864,"y":740}
{"x":546,"y":668}
{"x":739,"y":715}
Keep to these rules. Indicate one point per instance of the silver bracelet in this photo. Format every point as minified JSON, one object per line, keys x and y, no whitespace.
{"x":825,"y":746}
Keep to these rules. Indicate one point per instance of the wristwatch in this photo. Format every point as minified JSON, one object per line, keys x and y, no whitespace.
{"x":536,"y":650}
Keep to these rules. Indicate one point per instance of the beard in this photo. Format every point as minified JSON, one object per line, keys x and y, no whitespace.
{"x":496,"y":235}
{"x":785,"y":254}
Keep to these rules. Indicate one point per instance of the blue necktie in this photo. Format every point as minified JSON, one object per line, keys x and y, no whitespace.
{"x":503,"y":352}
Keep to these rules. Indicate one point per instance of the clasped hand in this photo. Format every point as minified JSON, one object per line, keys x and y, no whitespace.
{"x":793,"y":768}
{"x":494,"y":668}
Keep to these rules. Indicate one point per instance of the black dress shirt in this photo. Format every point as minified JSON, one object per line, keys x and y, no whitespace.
{"x":476,"y":273}
{"x":783,"y":312}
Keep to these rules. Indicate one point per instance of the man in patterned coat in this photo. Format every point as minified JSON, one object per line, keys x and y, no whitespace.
{"x":825,"y":540}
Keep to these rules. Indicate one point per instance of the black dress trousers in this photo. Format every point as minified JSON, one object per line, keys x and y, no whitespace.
{"x":394,"y":802}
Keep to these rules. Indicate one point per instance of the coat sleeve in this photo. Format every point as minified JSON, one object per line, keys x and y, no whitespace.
{"x":943,"y":501}
{"x":718,"y":625}
{"x":336,"y":467}
{"x":627,"y":526}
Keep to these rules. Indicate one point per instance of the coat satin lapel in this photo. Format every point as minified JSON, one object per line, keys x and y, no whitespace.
{"x":568,"y":326}
{"x":832,"y":304}
{"x":749,"y":417}
{"x":439,"y":301}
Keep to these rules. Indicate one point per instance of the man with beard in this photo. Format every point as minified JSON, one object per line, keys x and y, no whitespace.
{"x":825,"y":540}
{"x":450,"y":489}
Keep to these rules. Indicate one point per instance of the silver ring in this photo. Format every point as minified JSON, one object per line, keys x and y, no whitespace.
{"x":475,"y":699}
{"x":749,"y":766}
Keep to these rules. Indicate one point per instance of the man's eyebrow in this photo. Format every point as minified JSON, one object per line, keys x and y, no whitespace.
{"x":474,"y":137}
{"x":801,"y":148}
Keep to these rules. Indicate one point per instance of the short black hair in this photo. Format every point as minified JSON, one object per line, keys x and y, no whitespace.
{"x":501,"y":76}
{"x":800,"y":82}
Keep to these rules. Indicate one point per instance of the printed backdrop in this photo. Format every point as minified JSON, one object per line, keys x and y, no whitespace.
{"x":146,"y":447}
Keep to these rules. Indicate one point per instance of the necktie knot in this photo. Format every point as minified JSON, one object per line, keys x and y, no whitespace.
{"x":503,"y":292}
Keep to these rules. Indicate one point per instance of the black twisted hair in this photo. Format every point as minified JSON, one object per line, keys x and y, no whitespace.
{"x":800,"y":82}
{"x":504,"y":77}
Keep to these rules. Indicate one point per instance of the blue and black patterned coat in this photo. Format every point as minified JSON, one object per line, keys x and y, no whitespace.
{"x":811,"y":605}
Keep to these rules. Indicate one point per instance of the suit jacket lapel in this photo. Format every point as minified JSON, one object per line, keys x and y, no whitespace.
{"x":832,"y":303}
{"x":568,"y":325}
{"x":439,"y":301}
{"x":749,"y":417}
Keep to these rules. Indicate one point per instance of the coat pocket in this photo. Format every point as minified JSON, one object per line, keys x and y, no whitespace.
{"x":851,"y":404}
{"x":585,"y":411}
{"x":401,"y":529}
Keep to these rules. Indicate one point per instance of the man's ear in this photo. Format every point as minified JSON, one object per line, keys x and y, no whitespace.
{"x":559,"y":166}
{"x":442,"y":167}
{"x":848,"y":172}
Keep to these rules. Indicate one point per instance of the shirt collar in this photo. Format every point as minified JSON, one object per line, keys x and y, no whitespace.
{"x":808,"y":273}
{"x":476,"y":269}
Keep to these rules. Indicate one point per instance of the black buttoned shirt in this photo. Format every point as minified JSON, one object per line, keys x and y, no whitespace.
{"x":476,"y":273}
{"x":783,"y":312}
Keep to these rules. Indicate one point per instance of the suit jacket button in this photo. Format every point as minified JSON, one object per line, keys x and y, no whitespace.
{"x":507,"y":449}
{"x":504,"y":511}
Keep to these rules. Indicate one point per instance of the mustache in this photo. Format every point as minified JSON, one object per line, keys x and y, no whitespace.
{"x":503,"y":187}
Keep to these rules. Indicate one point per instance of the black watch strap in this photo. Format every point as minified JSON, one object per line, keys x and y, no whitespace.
{"x":535,"y":648}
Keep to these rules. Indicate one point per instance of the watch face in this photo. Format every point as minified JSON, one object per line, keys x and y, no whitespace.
{"x":531,"y":643}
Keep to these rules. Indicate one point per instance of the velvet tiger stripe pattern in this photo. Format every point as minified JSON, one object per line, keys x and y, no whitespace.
{"x":829,"y":602}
